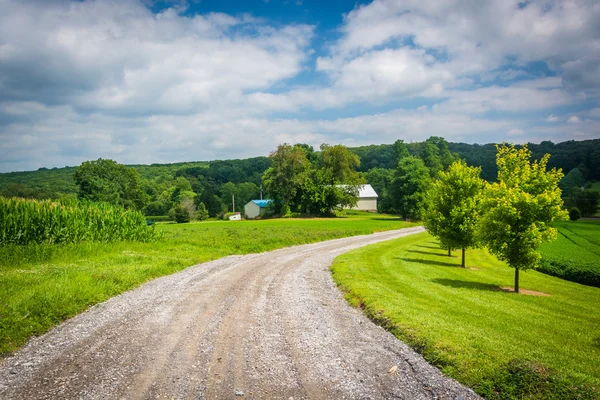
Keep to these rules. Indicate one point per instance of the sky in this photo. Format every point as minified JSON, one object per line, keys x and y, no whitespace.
{"x":142,"y":81}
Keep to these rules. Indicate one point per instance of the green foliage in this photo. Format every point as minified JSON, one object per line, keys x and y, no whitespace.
{"x":284,"y":178}
{"x":297,"y":185}
{"x":339,"y":165}
{"x":181,"y":214}
{"x":435,"y":154}
{"x":454,"y":206}
{"x":110,"y":182}
{"x":464,"y":323}
{"x":381,"y":180}
{"x":573,"y":180}
{"x":409,"y":188}
{"x":24,"y":222}
{"x":575,"y":255}
{"x":574,"y":214}
{"x":588,"y":201}
{"x":202,"y":212}
{"x":519,"y":208}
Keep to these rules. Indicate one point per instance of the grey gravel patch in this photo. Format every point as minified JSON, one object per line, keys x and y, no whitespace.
{"x":269,"y":325}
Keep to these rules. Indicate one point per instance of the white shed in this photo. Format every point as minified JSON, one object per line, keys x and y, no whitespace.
{"x":254,"y":208}
{"x":367,"y":199}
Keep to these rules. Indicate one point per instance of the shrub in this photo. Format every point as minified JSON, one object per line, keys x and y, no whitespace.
{"x":574,"y":214}
{"x":182,"y":215}
{"x":202,"y":212}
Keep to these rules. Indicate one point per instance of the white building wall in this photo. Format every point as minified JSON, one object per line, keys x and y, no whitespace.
{"x":252,"y":210}
{"x":366,"y":204}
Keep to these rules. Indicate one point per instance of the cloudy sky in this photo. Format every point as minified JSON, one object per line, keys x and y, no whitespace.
{"x":143,"y":81}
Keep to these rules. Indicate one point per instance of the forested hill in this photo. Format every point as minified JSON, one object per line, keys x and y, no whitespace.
{"x":584,"y":154}
{"x":58,"y":182}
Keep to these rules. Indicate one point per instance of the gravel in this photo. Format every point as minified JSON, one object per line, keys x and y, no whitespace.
{"x":261,"y":326}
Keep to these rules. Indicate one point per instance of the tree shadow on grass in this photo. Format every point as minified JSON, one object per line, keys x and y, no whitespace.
{"x":429,"y":253}
{"x":429,"y":247}
{"x":455,"y":283}
{"x":430,"y":262}
{"x":386,"y":219}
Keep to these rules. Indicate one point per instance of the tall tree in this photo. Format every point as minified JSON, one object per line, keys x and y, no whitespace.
{"x":285,"y":176}
{"x":519,"y":208}
{"x":453,"y":207}
{"x":409,"y":188}
{"x":108,"y":181}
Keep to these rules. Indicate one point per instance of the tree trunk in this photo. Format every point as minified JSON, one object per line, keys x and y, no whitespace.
{"x":516,"y":280}
{"x":449,"y":250}
{"x":463,"y":258}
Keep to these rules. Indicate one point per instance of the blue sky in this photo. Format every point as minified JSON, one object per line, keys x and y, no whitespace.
{"x":143,"y":81}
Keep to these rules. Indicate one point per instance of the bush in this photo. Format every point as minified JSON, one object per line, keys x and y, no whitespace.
{"x":182,"y":215}
{"x":574,"y":214}
{"x":202,"y":213}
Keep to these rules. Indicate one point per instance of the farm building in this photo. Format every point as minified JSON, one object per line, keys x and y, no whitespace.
{"x":254,"y":208}
{"x":367,"y":199}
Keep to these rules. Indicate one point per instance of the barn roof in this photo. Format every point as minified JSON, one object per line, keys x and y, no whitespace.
{"x":367,"y":191}
{"x":262,"y":203}
{"x":364,"y":191}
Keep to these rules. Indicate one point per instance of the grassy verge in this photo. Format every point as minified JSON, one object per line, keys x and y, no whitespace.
{"x":41,"y":285}
{"x":503,"y":345}
{"x":575,"y":255}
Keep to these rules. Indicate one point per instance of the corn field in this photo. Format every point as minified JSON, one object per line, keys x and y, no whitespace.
{"x":70,"y":221}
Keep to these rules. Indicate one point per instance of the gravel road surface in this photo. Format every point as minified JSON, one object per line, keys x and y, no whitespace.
{"x":264,"y":326}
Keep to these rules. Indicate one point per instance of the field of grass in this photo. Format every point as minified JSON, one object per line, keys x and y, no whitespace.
{"x":575,"y":255}
{"x":41,"y":285}
{"x":503,"y":345}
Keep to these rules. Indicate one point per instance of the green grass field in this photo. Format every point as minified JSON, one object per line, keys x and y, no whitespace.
{"x":41,"y":285}
{"x":575,"y":255}
{"x":502,"y":344}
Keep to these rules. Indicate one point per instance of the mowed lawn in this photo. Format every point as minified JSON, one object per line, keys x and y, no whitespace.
{"x":502,"y":344}
{"x":40,"y":286}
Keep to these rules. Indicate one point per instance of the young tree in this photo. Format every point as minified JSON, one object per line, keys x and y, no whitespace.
{"x":453,"y":207}
{"x":519,"y":208}
{"x":409,"y":188}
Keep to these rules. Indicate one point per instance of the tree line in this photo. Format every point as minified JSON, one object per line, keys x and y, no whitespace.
{"x":209,"y":186}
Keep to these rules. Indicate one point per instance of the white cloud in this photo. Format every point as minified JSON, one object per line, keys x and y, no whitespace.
{"x":108,"y":78}
{"x":119,"y":57}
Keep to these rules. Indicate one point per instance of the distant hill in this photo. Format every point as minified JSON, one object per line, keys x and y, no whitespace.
{"x":58,"y":182}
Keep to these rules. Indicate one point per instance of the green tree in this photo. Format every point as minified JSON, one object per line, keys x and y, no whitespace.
{"x":108,"y":181}
{"x":285,"y":176}
{"x":586,"y":200}
{"x":381,"y":179}
{"x":339,"y":165}
{"x":409,"y":188}
{"x":453,"y":207}
{"x":572,"y":181}
{"x":519,"y":208}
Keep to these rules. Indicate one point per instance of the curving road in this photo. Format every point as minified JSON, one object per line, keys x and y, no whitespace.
{"x":264,"y":326}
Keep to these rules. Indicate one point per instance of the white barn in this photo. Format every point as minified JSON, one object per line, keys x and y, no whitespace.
{"x":367,"y":199}
{"x":254,"y":208}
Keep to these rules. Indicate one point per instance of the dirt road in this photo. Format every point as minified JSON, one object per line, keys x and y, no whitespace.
{"x":265,"y":326}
